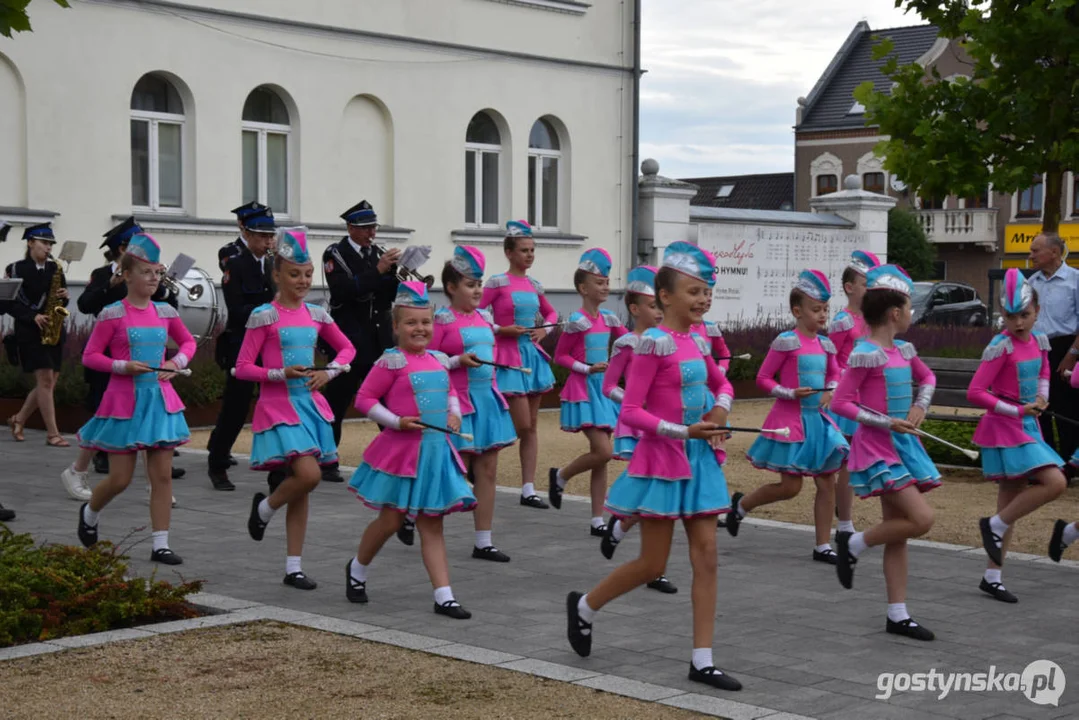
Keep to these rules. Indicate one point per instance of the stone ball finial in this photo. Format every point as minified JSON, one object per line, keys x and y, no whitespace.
{"x":802,"y":102}
{"x":852,"y":182}
{"x":650,"y":167}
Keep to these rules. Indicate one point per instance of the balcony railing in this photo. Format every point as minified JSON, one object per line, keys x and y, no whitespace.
{"x":976,"y":225}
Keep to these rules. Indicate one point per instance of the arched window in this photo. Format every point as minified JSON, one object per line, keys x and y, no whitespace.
{"x":483,"y":148}
{"x":266,"y":159}
{"x":544,"y":166}
{"x":157,"y":145}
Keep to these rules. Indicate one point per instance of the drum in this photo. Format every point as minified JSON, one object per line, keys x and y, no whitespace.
{"x":197,"y":304}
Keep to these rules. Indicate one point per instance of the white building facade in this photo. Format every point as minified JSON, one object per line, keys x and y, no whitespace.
{"x":450,"y":116}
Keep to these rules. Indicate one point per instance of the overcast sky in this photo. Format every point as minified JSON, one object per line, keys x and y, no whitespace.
{"x":724,"y":77}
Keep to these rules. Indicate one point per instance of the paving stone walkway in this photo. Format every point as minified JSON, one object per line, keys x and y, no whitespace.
{"x":799,"y":643}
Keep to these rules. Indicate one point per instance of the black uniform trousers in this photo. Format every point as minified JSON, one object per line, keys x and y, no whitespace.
{"x":1063,"y":400}
{"x":235,"y":403}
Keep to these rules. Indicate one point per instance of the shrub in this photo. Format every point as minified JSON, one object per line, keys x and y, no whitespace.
{"x":960,"y":433}
{"x":51,"y":591}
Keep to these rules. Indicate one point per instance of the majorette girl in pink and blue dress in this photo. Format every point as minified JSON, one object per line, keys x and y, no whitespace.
{"x":292,"y":423}
{"x":886,"y":459}
{"x":805,"y":364}
{"x":1012,"y":384}
{"x":466,"y":335}
{"x":140,"y":409}
{"x":409,"y":470}
{"x":679,"y":399}
{"x":582,"y":349}
{"x":847,"y":328}
{"x":515,"y":299}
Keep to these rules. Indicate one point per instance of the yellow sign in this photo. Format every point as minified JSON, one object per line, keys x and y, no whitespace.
{"x":1022,"y":263}
{"x":1017,"y":238}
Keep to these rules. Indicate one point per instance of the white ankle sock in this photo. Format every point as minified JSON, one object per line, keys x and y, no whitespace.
{"x":823,"y":548}
{"x":357,"y":571}
{"x":161,"y":539}
{"x":89,"y":516}
{"x":619,"y":532}
{"x":846,"y":526}
{"x":702,"y":658}
{"x":560,"y":480}
{"x":587,"y":614}
{"x":897,"y":612}
{"x":857,"y":544}
{"x":265,"y":511}
{"x":292,"y":564}
{"x":483,"y":539}
{"x":1071,"y":534}
{"x":528,"y":490}
{"x":998,"y":526}
{"x":597,"y":522}
{"x":444,"y":595}
{"x":992,"y":576}
{"x":742,"y":512}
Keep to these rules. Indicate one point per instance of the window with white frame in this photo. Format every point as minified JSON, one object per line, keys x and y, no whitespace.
{"x":266,"y":158}
{"x":544,"y":166}
{"x":157,"y":145}
{"x":483,"y":150}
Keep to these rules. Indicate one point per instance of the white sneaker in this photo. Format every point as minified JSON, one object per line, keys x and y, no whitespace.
{"x":75,"y":483}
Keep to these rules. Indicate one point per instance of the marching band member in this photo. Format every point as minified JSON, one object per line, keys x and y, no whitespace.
{"x":410,"y":470}
{"x":38,"y":275}
{"x":465,"y":334}
{"x":291,"y":425}
{"x":514,"y":300}
{"x":140,"y":409}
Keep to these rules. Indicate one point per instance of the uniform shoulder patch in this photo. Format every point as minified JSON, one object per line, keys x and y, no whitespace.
{"x":712,"y":329}
{"x":486,"y":315}
{"x":867,"y":355}
{"x":655,"y":342}
{"x":999,"y":346}
{"x":114,"y":311}
{"x":444,"y":316}
{"x":392,"y":359}
{"x":443,"y":358}
{"x":906,"y":350}
{"x":843,"y":322}
{"x":629,"y":340}
{"x":578,"y":322}
{"x":164,"y":310}
{"x":786,"y":341}
{"x":536,"y":285}
{"x":702,"y":345}
{"x":828,"y":345}
{"x":610,"y":319}
{"x":319,"y":314}
{"x":1043,"y":340}
{"x":262,"y":316}
{"x":497,"y":281}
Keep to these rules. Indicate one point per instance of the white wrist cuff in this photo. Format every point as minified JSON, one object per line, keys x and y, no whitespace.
{"x":1043,"y":388}
{"x":119,"y":367}
{"x":276,"y":375}
{"x":724,"y":401}
{"x":1005,"y":408}
{"x":454,"y":406}
{"x":673,"y":430}
{"x":925,"y":396}
{"x":180,"y":361}
{"x":384,"y":417}
{"x":455,"y":362}
{"x":617,"y":394}
{"x":783,"y":393}
{"x":580,"y":367}
{"x":867,"y":417}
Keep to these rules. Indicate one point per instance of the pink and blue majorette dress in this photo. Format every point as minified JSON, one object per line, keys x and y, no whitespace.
{"x":847,"y":328}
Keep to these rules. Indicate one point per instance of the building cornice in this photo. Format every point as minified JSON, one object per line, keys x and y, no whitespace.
{"x":573,"y":7}
{"x":187,"y":225}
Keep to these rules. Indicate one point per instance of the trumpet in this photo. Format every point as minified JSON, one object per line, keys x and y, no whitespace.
{"x":404,"y":274}
{"x":194,"y":292}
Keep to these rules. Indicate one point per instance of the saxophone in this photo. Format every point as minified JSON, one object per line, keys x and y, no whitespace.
{"x":54,"y":310}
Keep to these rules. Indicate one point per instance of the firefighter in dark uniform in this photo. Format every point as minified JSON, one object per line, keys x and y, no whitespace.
{"x":247,"y":282}
{"x":106,"y":286}
{"x":363,"y":284}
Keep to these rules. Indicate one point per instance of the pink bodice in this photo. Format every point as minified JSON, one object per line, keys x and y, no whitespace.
{"x":128,"y":332}
{"x":846,"y":329}
{"x":285,"y":337}
{"x":515,"y":300}
{"x":1013,"y":369}
{"x":714,"y":337}
{"x":584,"y":341}
{"x":798,"y":361}
{"x":458,"y":333}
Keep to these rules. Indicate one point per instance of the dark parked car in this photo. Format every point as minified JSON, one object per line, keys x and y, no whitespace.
{"x":946,"y":303}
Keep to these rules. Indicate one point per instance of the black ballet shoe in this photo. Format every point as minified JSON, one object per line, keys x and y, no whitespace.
{"x":733,"y":521}
{"x":845,"y":562}
{"x":87,"y":533}
{"x":300,"y":581}
{"x":554,"y":493}
{"x":274,"y":480}
{"x":165,"y":556}
{"x":1056,"y":542}
{"x":6,"y":514}
{"x":990,"y":541}
{"x":714,"y":677}
{"x":578,"y":631}
{"x":220,"y":481}
{"x":178,"y":473}
{"x":355,"y":591}
{"x":255,"y":527}
{"x":826,"y":556}
{"x":909,"y":628}
{"x":332,"y":475}
{"x":407,"y":532}
{"x":664,"y":585}
{"x":534,"y":501}
{"x":452,"y":609}
{"x":608,"y":544}
{"x":101,"y":463}
{"x":599,"y":532}
{"x":997,"y":591}
{"x":490,"y":553}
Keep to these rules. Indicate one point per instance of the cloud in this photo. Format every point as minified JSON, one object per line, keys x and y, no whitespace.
{"x":723,"y":77}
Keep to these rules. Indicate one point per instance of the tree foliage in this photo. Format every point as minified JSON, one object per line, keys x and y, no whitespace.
{"x":908,"y":246}
{"x":1012,"y":119}
{"x":14,"y":18}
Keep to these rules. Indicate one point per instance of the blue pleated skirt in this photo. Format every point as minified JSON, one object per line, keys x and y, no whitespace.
{"x":846,"y":425}
{"x":490,"y":424}
{"x":624,"y":447}
{"x":914,"y":468}
{"x":150,"y":427}
{"x":277,"y":446}
{"x":598,"y":411}
{"x":439,"y":487}
{"x":822,"y":452}
{"x":705,"y":493}
{"x":515,"y":382}
{"x":1022,"y":461}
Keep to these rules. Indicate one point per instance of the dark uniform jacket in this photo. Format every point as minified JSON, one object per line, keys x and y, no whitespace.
{"x":360,"y":298}
{"x":245,"y":286}
{"x":31,"y":298}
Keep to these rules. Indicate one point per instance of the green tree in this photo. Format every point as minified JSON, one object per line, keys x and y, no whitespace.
{"x":1013,"y":119}
{"x":13,"y":16}
{"x":908,"y":246}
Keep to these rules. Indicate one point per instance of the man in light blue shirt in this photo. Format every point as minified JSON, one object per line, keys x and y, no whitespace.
{"x":1057,"y":285}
